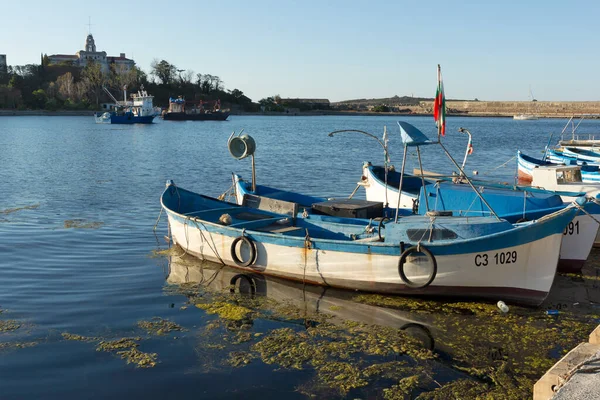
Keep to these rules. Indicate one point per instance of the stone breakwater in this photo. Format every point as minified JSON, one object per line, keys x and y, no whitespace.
{"x":556,"y":109}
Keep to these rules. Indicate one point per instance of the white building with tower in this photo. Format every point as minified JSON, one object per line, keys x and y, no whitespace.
{"x":90,"y":54}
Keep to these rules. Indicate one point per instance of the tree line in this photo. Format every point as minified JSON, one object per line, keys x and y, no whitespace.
{"x":66,"y":86}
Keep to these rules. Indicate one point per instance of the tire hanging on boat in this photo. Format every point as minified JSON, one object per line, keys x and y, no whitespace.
{"x":251,"y":245}
{"x":430,"y":258}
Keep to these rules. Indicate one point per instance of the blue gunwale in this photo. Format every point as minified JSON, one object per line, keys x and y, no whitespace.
{"x":510,"y":236}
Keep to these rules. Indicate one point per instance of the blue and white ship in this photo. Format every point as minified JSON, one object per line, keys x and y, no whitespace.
{"x":137,"y":111}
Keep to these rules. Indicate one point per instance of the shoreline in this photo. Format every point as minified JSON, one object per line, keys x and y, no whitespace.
{"x":89,"y":113}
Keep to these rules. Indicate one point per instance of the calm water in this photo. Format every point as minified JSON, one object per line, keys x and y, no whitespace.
{"x":77,"y":208}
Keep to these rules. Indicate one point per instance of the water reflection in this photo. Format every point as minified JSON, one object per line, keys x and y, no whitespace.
{"x":437,"y":348}
{"x":337,"y":305}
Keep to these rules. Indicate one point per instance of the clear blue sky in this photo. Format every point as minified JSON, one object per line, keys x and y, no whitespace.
{"x":334,"y":49}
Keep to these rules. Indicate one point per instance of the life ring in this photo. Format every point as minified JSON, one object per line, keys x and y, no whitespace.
{"x":402,"y":261}
{"x":251,"y":245}
{"x":234,"y":280}
{"x":521,"y":220}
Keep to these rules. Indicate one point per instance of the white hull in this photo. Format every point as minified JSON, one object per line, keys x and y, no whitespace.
{"x":524,"y":117}
{"x":527,"y":278}
{"x":576,"y":245}
{"x":375,"y":191}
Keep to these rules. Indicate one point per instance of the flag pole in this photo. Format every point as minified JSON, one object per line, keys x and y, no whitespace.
{"x":439,"y":79}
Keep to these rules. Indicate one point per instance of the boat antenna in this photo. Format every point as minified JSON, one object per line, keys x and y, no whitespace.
{"x":383,"y":144}
{"x":462,"y":173}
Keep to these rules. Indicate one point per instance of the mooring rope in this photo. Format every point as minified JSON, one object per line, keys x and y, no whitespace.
{"x":158,"y":220}
{"x":576,"y":369}
{"x":354,"y":191}
{"x":499,"y":166}
{"x":214,"y":249}
{"x":587,"y":213}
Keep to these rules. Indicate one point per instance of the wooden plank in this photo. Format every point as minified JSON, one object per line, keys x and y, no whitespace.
{"x":272,"y":205}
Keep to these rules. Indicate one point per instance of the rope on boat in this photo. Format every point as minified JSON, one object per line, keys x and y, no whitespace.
{"x":499,"y":166}
{"x":214,"y":249}
{"x":229,"y":193}
{"x":158,"y":220}
{"x":354,"y":191}
{"x":587,"y":213}
{"x":307,"y":246}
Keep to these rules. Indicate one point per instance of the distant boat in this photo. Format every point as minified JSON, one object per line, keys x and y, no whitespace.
{"x":527,"y":116}
{"x":138,"y":111}
{"x":523,"y":117}
{"x":181,"y":110}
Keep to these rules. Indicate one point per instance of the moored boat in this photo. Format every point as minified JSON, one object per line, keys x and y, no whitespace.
{"x":511,"y":202}
{"x":479,"y":257}
{"x":582,"y":154}
{"x":526,"y":164}
{"x":525,"y":117}
{"x":182,"y":110}
{"x":137,"y":111}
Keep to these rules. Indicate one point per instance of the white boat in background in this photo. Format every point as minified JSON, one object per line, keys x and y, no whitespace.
{"x":527,"y":116}
{"x":567,"y":178}
{"x":523,"y":117}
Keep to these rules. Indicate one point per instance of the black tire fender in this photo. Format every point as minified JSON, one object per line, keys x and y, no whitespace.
{"x":251,"y":245}
{"x":402,"y":261}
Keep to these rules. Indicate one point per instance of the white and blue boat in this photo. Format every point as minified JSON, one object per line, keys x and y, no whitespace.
{"x":580,"y":154}
{"x":526,"y":164}
{"x":511,"y":202}
{"x":477,"y":257}
{"x":137,"y":111}
{"x":435,"y":255}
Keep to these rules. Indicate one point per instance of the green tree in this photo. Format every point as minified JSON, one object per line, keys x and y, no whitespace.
{"x":381,"y":108}
{"x":164,"y":71}
{"x":92,"y":79}
{"x":39,"y":98}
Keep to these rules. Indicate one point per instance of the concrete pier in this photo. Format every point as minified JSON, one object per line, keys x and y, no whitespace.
{"x":568,"y":378}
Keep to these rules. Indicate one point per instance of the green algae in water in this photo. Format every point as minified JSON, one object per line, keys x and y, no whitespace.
{"x":81,"y":224}
{"x":14,"y":210}
{"x":159,"y":326}
{"x":170,"y":252}
{"x":226,"y":310}
{"x":139,"y":358}
{"x":9,"y":325}
{"x":118,"y":344}
{"x":126,"y":348}
{"x":240,"y":358}
{"x":342,"y":376}
{"x":16,"y":345}
{"x":79,"y":338}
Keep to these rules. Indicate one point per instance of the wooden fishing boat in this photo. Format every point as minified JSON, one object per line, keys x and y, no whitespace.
{"x":435,"y":255}
{"x":441,"y":195}
{"x":582,"y":154}
{"x":480,"y":257}
{"x":512,"y":202}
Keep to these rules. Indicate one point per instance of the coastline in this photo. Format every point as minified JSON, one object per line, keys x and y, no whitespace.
{"x":89,"y":113}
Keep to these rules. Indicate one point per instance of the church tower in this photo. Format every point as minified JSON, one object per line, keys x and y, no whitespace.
{"x":90,"y":44}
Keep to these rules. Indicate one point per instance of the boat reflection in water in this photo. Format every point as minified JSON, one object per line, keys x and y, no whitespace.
{"x":471,"y":342}
{"x":312,"y":300}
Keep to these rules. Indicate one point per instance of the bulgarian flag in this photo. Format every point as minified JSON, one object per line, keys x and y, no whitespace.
{"x":439,"y":106}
